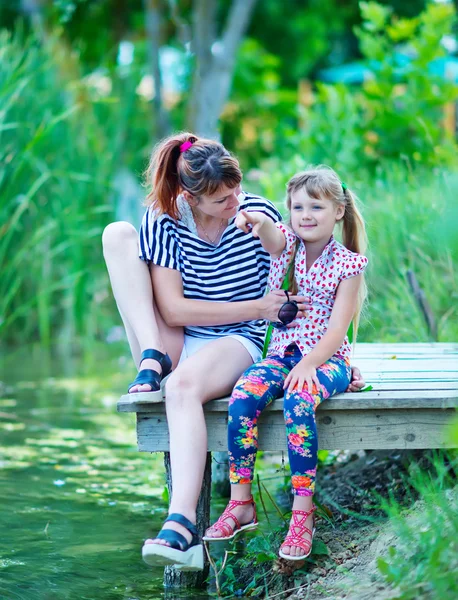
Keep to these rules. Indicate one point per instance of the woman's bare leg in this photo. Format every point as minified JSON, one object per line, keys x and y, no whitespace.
{"x":132,"y":288}
{"x":209,"y":373}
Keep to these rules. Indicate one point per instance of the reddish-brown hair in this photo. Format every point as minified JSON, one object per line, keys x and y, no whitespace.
{"x":202,"y":169}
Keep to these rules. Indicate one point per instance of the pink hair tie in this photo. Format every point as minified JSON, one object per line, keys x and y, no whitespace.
{"x":185,"y":146}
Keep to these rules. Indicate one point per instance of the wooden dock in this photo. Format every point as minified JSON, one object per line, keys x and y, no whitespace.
{"x":414,"y":398}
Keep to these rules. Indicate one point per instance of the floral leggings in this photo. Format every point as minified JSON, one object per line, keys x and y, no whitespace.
{"x":258,"y":386}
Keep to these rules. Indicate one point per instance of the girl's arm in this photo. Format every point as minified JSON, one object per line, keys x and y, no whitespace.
{"x":262,"y":227}
{"x":177,"y":310}
{"x":342,"y":313}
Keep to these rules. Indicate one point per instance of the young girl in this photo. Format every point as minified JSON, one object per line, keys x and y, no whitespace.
{"x":307,"y":363}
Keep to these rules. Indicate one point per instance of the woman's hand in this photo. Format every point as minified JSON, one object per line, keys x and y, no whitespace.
{"x":250,"y":221}
{"x":302,"y":373}
{"x":270,"y":304}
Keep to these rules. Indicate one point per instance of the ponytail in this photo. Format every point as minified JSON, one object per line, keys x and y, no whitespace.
{"x":354,"y":238}
{"x":162,"y":174}
{"x":353,"y":229}
{"x":185,"y":162}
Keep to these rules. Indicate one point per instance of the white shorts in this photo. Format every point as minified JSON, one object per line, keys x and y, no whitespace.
{"x":193,"y":344}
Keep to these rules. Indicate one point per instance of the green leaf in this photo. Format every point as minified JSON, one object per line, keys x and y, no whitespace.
{"x":383,"y":566}
{"x":319,"y":547}
{"x":165,"y":494}
{"x":264,"y":557}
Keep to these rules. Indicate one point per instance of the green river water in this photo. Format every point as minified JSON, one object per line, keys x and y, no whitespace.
{"x":76,"y":498}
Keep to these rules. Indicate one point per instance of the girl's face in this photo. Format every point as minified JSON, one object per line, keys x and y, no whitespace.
{"x":314,"y":220}
{"x":222,"y":205}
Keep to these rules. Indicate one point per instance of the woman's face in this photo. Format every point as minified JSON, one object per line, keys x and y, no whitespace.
{"x":222,"y":205}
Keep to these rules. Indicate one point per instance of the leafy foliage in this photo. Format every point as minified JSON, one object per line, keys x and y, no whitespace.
{"x":424,"y":561}
{"x":398,"y":111}
{"x":55,"y":170}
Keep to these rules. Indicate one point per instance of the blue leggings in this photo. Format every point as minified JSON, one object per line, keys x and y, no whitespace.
{"x":258,"y":386}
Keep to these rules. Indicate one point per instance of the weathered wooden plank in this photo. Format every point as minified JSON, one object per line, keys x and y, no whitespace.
{"x":399,"y":350}
{"x":352,"y":430}
{"x":409,"y":376}
{"x":418,"y":366}
{"x":373,"y":400}
{"x":417,"y":384}
{"x":411,"y":400}
{"x":412,"y":348}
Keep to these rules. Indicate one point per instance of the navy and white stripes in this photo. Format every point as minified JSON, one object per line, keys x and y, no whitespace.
{"x":233,"y":271}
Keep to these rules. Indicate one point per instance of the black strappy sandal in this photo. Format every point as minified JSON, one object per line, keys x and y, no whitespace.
{"x":184,"y":555}
{"x":149,"y":376}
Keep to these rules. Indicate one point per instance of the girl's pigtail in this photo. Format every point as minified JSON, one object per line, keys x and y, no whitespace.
{"x":355,"y":239}
{"x":354,"y":231}
{"x":162,"y":174}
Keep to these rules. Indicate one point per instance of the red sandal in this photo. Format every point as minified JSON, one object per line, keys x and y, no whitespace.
{"x":295,"y":533}
{"x":228,"y":530}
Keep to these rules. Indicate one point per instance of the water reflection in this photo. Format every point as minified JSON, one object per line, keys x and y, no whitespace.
{"x":76,"y":498}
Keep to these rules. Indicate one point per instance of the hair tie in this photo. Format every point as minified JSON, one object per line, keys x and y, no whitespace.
{"x":185,"y":146}
{"x":344,"y":186}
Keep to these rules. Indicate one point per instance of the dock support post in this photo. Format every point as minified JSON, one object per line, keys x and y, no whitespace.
{"x":174,"y":578}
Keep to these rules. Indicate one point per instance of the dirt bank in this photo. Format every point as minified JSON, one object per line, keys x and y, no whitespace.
{"x":358,"y":532}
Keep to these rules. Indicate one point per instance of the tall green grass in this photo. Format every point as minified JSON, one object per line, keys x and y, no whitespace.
{"x":55,"y":171}
{"x":412,"y":221}
{"x":423,"y":562}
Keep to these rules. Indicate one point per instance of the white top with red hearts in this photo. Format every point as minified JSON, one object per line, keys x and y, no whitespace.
{"x":319,"y":283}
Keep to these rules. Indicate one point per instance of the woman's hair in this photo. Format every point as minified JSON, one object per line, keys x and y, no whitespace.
{"x":322,"y":182}
{"x":201,"y":169}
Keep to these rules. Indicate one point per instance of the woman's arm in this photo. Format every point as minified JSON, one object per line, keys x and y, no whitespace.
{"x":342,"y":313}
{"x":177,"y":310}
{"x":262,"y":227}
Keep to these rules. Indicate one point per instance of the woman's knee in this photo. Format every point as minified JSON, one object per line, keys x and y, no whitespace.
{"x":117,"y":235}
{"x":181,"y":389}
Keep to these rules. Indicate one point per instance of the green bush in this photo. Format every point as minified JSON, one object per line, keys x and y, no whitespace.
{"x":397,"y":113}
{"x":423,"y":563}
{"x":55,"y":172}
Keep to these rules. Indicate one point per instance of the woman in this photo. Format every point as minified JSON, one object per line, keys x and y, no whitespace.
{"x":199,"y":308}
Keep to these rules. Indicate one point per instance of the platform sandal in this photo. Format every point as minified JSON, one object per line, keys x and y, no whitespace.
{"x":151,"y":377}
{"x":184,"y":555}
{"x":230,"y":531}
{"x":295,"y":533}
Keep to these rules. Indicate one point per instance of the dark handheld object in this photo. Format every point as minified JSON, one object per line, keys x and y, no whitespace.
{"x":287,"y":312}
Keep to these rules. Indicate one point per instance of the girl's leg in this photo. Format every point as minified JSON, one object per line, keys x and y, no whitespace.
{"x":209,"y":373}
{"x":131,"y":283}
{"x":299,"y":412}
{"x":258,"y":386}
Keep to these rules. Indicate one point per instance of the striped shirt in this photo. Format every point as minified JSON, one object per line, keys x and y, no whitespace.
{"x":234,"y":270}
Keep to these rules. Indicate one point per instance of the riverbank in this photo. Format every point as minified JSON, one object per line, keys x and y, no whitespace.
{"x":384,"y":531}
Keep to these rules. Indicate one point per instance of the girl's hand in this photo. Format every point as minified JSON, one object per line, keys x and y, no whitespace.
{"x":250,"y":221}
{"x":270,"y":304}
{"x":300,"y":374}
{"x":357,"y":381}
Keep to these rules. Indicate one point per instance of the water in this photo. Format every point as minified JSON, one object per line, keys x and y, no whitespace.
{"x":76,"y":498}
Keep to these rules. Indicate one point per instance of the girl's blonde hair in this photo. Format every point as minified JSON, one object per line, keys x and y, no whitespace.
{"x":322,"y":182}
{"x":201,"y":169}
